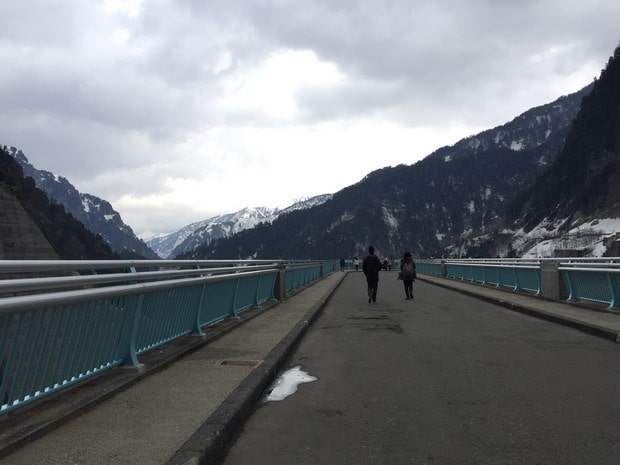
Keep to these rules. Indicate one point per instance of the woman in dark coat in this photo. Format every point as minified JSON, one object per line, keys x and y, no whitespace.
{"x":407,"y":274}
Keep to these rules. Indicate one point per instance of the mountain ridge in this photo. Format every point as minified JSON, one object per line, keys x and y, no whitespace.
{"x":198,"y":233}
{"x":33,"y":227}
{"x":575,"y":205}
{"x":427,"y":207}
{"x":95,"y":213}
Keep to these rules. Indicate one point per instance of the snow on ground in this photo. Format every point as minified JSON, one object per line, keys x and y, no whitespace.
{"x":287,"y":383}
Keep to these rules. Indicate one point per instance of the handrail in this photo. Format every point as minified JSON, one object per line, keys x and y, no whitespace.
{"x":492,"y":265}
{"x":573,"y":266}
{"x":583,"y":279}
{"x":59,"y":265}
{"x":30,"y":302}
{"x":597,"y":270}
{"x":30,"y":284}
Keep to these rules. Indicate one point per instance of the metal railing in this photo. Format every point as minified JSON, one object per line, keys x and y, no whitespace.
{"x":59,"y":326}
{"x":583,"y":279}
{"x":597,"y":282}
{"x":517,"y":276}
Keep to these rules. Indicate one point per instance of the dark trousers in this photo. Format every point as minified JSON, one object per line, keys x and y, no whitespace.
{"x":408,"y":283}
{"x":373,"y":283}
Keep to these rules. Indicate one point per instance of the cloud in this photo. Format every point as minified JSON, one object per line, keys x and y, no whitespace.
{"x":177,"y":111}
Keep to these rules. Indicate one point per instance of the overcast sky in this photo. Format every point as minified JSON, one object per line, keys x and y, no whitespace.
{"x":178,"y":110}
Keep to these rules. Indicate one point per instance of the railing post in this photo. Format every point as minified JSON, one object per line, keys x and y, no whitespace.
{"x":443,"y":270}
{"x":516,"y":277}
{"x":256,"y":304}
{"x":233,"y":310}
{"x":198,"y":329}
{"x":127,"y":351}
{"x":280,"y":288}
{"x":571,"y":288}
{"x":550,"y":286}
{"x":615,"y":302}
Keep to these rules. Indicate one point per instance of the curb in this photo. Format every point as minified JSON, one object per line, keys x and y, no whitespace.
{"x":211,"y":441}
{"x":582,"y":326}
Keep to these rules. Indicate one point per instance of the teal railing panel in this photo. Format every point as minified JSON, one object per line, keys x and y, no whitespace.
{"x":246,"y":293}
{"x":432,"y":269}
{"x":477,"y":274}
{"x":49,"y":349}
{"x":297,"y":277}
{"x":218,"y":301}
{"x":166,"y":315}
{"x":528,"y":279}
{"x":330,"y":267}
{"x":517,"y":278}
{"x":266,"y":287}
{"x":593,"y":286}
{"x":455,"y":271}
{"x":506,"y":277}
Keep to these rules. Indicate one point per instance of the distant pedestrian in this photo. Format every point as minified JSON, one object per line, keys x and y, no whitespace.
{"x":371,"y":267}
{"x":342,"y":264}
{"x":356,"y":262}
{"x":385,"y":264}
{"x":407,"y":274}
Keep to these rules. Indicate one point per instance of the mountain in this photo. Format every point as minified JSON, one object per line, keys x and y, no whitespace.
{"x":95,"y":213}
{"x":191,"y":236}
{"x":196,"y":234}
{"x":585,"y":177}
{"x":33,"y":227}
{"x":425,"y":208}
{"x":575,"y":205}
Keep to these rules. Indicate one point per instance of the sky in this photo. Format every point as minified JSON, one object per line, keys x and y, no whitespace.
{"x":175,"y":111}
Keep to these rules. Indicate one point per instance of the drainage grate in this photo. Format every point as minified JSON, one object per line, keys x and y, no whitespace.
{"x":240,"y":363}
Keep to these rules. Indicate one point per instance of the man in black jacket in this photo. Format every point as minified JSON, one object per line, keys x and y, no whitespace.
{"x":371,"y":267}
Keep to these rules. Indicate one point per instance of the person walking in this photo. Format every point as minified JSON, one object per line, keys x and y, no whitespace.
{"x":407,"y":274}
{"x":371,"y":265}
{"x":356,"y":263}
{"x":342,"y":264}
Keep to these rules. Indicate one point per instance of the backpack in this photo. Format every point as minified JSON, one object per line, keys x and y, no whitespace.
{"x":408,"y":271}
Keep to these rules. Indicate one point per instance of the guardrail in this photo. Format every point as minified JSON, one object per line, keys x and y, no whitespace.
{"x":573,"y":279}
{"x":515,"y":276}
{"x":598,"y":283}
{"x":60,"y":326}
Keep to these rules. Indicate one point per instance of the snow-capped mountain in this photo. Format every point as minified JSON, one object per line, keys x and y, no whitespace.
{"x":304,"y":204}
{"x":95,"y":213}
{"x":196,"y":234}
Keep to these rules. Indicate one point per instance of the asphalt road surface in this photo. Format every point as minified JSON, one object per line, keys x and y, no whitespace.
{"x":443,"y":379}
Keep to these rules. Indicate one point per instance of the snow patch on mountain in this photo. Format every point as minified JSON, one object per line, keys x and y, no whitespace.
{"x":516,"y":146}
{"x":389,"y":219}
{"x":589,"y":239}
{"x":344,"y":218}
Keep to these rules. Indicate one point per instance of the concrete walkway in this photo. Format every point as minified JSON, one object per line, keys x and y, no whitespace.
{"x":593,"y":319}
{"x":192,"y":396}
